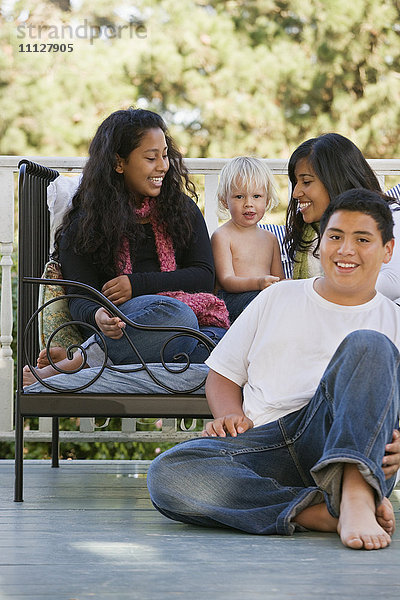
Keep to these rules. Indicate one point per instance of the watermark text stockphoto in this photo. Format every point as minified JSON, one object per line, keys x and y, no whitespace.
{"x":82,"y":31}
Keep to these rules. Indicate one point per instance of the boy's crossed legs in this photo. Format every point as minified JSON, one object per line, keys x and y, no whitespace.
{"x":264,"y":480}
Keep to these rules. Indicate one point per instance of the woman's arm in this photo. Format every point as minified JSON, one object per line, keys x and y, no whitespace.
{"x":388,"y":282}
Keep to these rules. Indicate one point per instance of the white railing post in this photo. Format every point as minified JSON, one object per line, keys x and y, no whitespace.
{"x":210,"y":204}
{"x":381,"y":179}
{"x":6,"y":309}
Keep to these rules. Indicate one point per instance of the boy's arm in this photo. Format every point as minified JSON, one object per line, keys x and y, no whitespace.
{"x":225,"y":401}
{"x":276,"y":264}
{"x":226,"y":278}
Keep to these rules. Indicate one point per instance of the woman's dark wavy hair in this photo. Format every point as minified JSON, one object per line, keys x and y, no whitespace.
{"x":340,"y":166}
{"x":102,"y":204}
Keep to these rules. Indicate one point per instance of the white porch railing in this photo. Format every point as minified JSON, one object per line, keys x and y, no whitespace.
{"x":209,"y":168}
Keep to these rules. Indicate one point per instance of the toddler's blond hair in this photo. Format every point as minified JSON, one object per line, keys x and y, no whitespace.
{"x":250,"y":171}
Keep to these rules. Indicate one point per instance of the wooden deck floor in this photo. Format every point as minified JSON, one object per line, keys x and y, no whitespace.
{"x":88,"y":531}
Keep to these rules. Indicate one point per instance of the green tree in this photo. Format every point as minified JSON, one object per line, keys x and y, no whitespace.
{"x":230,"y":77}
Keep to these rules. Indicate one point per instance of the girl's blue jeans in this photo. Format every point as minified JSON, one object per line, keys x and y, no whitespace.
{"x":260,"y":480}
{"x":153,"y":310}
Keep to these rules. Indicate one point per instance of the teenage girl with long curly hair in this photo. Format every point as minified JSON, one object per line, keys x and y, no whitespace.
{"x":133,"y":233}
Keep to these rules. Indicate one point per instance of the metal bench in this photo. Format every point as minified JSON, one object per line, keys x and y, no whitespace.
{"x":33,"y":248}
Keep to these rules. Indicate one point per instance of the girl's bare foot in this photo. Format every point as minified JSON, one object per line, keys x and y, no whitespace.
{"x":28,"y":377}
{"x":56,"y":353}
{"x":358,"y":526}
{"x":62,"y":366}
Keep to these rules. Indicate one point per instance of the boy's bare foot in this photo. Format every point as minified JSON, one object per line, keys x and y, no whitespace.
{"x":358,"y":526}
{"x":318,"y":518}
{"x":385,"y":516}
{"x":56,"y":353}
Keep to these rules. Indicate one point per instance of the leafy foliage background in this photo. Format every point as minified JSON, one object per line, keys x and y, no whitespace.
{"x":230,"y":77}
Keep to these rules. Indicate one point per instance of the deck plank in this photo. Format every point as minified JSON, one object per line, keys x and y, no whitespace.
{"x":88,"y":530}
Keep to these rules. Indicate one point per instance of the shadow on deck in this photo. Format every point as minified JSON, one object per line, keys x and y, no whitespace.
{"x":88,"y":530}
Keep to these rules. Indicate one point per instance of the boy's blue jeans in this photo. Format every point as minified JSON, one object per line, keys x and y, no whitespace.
{"x":260,"y":480}
{"x":153,"y":310}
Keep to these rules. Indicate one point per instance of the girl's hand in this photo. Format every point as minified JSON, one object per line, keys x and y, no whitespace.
{"x":110,"y":326}
{"x":232,"y":424}
{"x":118,"y":290}
{"x":391,"y":460}
{"x":266,"y":281}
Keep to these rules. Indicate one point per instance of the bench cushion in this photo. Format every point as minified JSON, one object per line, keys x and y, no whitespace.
{"x":138,"y":382}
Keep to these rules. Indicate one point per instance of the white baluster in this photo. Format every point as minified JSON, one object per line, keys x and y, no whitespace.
{"x":45,"y":424}
{"x":210,"y":206}
{"x":128,"y":425}
{"x":86,"y":424}
{"x":6,"y":309}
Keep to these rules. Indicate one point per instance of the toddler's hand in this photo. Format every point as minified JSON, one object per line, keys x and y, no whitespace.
{"x":232,"y":424}
{"x":118,"y":290}
{"x":110,"y":326}
{"x":266,"y":281}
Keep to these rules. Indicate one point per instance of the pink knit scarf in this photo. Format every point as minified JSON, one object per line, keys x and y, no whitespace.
{"x":208,"y":309}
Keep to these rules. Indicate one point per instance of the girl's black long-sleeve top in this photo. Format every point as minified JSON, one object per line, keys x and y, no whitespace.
{"x":194,"y":273}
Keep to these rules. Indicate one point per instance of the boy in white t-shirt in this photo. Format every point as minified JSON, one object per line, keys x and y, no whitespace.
{"x":306,"y":385}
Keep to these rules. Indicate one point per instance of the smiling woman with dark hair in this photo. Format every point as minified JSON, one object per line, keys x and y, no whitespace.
{"x":320,"y":169}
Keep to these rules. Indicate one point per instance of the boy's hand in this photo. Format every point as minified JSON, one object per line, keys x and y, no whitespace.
{"x":266,"y":281}
{"x":118,"y":290}
{"x":232,"y":424}
{"x":391,"y":460}
{"x":110,"y":326}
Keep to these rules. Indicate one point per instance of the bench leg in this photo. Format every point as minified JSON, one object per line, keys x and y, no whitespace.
{"x":19,"y":458}
{"x":55,"y":443}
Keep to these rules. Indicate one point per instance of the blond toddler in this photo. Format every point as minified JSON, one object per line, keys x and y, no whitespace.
{"x":247,"y":258}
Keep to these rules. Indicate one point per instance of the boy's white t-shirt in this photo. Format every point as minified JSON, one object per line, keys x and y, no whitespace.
{"x":280,"y":346}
